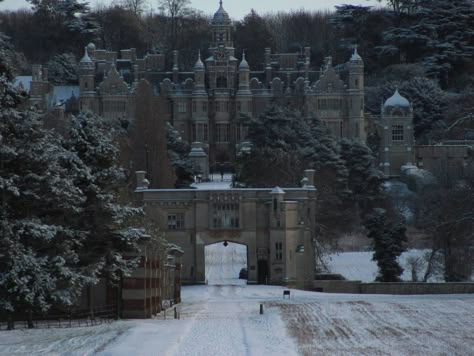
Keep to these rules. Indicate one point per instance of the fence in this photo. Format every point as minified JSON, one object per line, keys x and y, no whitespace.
{"x":59,"y":319}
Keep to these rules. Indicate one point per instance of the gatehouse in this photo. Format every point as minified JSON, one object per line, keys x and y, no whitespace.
{"x":276,"y":224}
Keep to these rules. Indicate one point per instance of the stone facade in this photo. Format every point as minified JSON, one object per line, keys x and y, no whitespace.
{"x":277,"y":226}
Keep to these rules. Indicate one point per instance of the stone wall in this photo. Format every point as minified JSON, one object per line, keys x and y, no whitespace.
{"x":406,"y":288}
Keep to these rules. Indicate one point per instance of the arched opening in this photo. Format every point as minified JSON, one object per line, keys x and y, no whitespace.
{"x":226,"y":263}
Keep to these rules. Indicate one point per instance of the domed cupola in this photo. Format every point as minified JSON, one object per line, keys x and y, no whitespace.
{"x":397,"y":105}
{"x":221,"y":17}
{"x":397,"y":101}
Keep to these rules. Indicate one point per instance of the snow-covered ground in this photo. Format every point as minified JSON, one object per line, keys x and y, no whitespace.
{"x":225,"y":320}
{"x":359,"y":265}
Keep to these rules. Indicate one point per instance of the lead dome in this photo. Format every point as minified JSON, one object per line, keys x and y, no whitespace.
{"x":396,"y":100}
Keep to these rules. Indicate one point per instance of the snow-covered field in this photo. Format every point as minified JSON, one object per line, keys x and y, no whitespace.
{"x":225,"y":320}
{"x":359,"y":265}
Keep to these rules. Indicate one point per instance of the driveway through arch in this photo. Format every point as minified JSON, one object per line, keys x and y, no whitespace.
{"x":224,"y":261}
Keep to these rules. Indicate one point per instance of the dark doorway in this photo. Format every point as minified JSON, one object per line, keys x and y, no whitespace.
{"x":262,"y":272}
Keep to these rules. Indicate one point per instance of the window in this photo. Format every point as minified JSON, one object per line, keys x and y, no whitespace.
{"x":176,"y":221}
{"x":239,"y":106}
{"x":222,"y":133}
{"x":397,"y":132}
{"x":182,"y":107}
{"x":204,"y":106}
{"x":225,"y":215}
{"x":200,"y":133}
{"x":278,"y":251}
{"x":194,"y":106}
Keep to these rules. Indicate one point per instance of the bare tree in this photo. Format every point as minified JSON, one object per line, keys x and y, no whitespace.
{"x":174,"y":9}
{"x":135,"y":6}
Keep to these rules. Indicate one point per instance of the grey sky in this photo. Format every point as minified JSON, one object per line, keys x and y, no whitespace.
{"x":236,"y":8}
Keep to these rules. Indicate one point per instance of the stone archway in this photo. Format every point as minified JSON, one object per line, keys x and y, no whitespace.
{"x":224,"y":260}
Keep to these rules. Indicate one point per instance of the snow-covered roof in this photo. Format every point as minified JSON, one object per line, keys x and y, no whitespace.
{"x":23,"y":82}
{"x":396,"y":100}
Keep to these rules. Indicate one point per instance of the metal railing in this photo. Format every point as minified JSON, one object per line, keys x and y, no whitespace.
{"x":59,"y":319}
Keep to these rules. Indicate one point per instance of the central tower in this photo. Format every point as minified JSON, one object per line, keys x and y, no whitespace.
{"x":221,"y":27}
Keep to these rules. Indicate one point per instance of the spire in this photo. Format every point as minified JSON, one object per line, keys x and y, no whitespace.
{"x":244,"y":64}
{"x":355,"y":56}
{"x":220,"y":3}
{"x":86,"y":58}
{"x":199,"y":64}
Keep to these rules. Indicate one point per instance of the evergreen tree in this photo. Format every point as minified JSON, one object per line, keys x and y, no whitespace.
{"x":178,"y":154}
{"x":436,"y":33}
{"x":110,"y":224}
{"x":365,"y":180}
{"x":252,"y":35}
{"x":388,"y":240}
{"x":38,"y":249}
{"x":62,"y":69}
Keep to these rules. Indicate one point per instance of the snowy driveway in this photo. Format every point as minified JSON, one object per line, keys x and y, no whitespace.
{"x":225,"y":321}
{"x":215,"y":320}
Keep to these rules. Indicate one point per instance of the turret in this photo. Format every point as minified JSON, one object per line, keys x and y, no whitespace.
{"x":397,"y":134}
{"x":199,"y":75}
{"x":356,"y":125}
{"x":356,"y":71}
{"x":86,"y":71}
{"x":244,"y":73}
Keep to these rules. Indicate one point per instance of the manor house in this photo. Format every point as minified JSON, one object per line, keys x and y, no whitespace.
{"x":206,"y":105}
{"x":210,"y":105}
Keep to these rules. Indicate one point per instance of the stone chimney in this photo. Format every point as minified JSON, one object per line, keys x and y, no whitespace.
{"x":308,"y":180}
{"x":142,"y":182}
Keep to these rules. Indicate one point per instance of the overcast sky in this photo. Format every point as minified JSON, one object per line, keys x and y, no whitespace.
{"x":236,"y":8}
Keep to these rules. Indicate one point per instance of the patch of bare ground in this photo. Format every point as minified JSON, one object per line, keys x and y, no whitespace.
{"x":435,"y":327}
